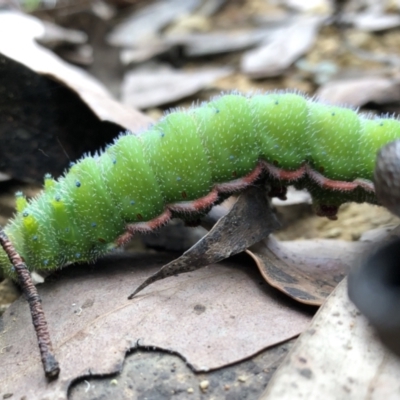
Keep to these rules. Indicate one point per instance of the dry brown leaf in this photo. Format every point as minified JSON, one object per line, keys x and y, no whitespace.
{"x":337,"y":357}
{"x":144,"y":88}
{"x":217,"y":42}
{"x":286,"y":46}
{"x":48,"y":122}
{"x":306,"y":270}
{"x":250,"y":220}
{"x":18,"y":34}
{"x":142,"y":27}
{"x":212,"y":317}
{"x":358,"y":92}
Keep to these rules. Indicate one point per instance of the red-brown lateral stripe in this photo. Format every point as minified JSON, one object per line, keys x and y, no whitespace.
{"x":241,"y":183}
{"x":195,"y":205}
{"x":317,"y":177}
{"x":151,"y":225}
{"x":143,"y":227}
{"x":285,"y":175}
{"x":343,"y":186}
{"x":189,"y":206}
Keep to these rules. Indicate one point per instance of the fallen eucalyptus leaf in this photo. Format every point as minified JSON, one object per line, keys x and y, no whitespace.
{"x":306,"y":270}
{"x":201,"y":44}
{"x":360,"y":91}
{"x":338,"y":356}
{"x":152,"y":88}
{"x":143,"y":26}
{"x":250,"y":220}
{"x":212,"y":317}
{"x":279,"y":52}
{"x":18,"y":35}
{"x":309,"y":270}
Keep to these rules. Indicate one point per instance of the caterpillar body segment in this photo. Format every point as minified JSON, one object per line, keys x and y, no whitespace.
{"x":182,"y":164}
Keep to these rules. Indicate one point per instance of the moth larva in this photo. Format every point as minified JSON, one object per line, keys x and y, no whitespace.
{"x":180,"y":166}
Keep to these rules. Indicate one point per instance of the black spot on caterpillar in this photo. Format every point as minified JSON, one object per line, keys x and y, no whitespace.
{"x":182,"y":164}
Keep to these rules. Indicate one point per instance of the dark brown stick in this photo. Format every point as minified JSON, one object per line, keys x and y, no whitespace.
{"x":50,"y":364}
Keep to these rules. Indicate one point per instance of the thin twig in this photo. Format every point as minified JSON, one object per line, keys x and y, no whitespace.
{"x":50,"y":364}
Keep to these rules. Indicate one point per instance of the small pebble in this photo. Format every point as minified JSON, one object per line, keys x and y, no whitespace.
{"x":114,"y":382}
{"x":204,"y":385}
{"x":190,"y":390}
{"x":242,"y":378}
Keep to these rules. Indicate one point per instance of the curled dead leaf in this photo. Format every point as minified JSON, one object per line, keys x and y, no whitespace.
{"x":306,"y":270}
{"x":247,"y":222}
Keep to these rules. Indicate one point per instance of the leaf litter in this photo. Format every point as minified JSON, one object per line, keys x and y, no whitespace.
{"x":306,"y":270}
{"x":340,"y":356}
{"x":141,"y":90}
{"x":24,"y":49}
{"x":212,"y":317}
{"x":250,"y":220}
{"x":286,"y":83}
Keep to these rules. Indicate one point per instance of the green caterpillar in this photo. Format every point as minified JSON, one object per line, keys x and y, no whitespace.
{"x":185,"y":163}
